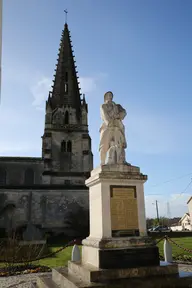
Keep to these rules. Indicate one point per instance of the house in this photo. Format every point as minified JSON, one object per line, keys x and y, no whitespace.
{"x":184,"y":224}
{"x":189,"y":203}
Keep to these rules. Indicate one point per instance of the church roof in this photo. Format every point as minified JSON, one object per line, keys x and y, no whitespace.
{"x":20,"y":159}
{"x":184,"y":216}
{"x":65,"y":89}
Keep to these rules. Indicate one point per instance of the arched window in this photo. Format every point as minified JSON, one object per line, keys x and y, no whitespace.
{"x":29,"y":177}
{"x":63,"y":146}
{"x":69,"y":146}
{"x":66,"y":120}
{"x":3,"y":176}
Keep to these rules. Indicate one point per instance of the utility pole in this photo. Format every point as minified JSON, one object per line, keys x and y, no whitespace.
{"x":168,"y":214}
{"x":156,"y":203}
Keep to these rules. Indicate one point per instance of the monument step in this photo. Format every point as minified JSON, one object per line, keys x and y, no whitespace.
{"x":46,"y":282}
{"x":89,"y":273}
{"x":62,"y":279}
{"x":61,"y":276}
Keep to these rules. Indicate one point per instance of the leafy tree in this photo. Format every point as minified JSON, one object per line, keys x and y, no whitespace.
{"x":155,"y":222}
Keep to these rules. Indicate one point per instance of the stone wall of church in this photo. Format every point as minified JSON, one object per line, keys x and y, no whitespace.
{"x":45,"y":208}
{"x":20,"y":170}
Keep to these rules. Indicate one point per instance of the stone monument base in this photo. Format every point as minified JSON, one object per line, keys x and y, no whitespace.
{"x":117,"y":253}
{"x":90,"y":274}
{"x":83,"y":275}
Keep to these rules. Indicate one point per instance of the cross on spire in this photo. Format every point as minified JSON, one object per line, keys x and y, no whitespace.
{"x":65,"y":15}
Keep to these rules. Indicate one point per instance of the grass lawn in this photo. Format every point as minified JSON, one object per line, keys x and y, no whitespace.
{"x":61,"y":258}
{"x":185,"y":242}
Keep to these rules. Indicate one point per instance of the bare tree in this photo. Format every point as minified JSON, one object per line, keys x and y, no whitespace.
{"x":77,"y":219}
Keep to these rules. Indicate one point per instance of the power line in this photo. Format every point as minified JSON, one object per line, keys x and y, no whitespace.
{"x":173,"y":179}
{"x":183,"y":191}
{"x":188,"y":185}
{"x":153,"y":194}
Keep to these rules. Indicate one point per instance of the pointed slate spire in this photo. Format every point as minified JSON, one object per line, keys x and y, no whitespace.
{"x":65,"y":84}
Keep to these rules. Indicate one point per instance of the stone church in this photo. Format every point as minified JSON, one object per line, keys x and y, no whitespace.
{"x":40,"y":190}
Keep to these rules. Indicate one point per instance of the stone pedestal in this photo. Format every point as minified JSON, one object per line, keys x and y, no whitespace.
{"x":120,"y":253}
{"x":102,"y":182}
{"x":118,"y":236}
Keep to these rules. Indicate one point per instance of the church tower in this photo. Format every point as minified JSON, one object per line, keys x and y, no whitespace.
{"x":66,"y":147}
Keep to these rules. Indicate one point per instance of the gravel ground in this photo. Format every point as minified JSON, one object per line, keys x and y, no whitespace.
{"x":185,"y":268}
{"x":25,"y":281}
{"x":20,"y":281}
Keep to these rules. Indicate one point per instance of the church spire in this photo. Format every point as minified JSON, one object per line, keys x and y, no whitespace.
{"x":65,"y":84}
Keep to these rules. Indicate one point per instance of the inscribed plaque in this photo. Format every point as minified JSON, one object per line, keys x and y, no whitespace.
{"x":124,"y":213}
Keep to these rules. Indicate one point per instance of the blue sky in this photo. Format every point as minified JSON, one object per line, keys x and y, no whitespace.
{"x":139,"y":49}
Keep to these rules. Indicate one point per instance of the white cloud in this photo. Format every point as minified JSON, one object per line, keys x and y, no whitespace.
{"x":41,"y":88}
{"x":87,"y":84}
{"x":40,"y":92}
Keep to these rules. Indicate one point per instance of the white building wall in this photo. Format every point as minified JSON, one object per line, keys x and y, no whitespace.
{"x":181,"y":228}
{"x":190,"y":210}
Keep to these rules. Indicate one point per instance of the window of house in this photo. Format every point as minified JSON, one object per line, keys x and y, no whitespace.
{"x":3,"y":176}
{"x":69,"y":146}
{"x":29,"y":177}
{"x":63,"y":146}
{"x":66,"y":120}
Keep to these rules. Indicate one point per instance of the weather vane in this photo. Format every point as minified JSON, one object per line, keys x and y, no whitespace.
{"x":65,"y":15}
